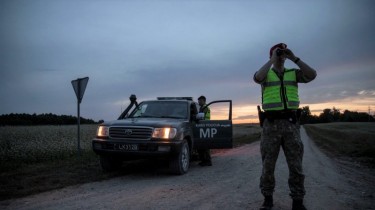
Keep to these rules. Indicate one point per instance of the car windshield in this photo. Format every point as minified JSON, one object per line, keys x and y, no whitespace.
{"x":161,"y":109}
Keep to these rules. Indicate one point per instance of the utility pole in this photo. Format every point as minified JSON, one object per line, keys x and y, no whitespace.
{"x":369,"y":113}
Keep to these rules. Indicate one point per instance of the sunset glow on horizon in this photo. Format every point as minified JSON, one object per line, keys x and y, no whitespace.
{"x":316,"y":109}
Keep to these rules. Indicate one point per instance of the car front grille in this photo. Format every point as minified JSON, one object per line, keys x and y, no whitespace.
{"x":133,"y":133}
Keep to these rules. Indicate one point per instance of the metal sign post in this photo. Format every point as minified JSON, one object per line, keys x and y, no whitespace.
{"x":79,"y":86}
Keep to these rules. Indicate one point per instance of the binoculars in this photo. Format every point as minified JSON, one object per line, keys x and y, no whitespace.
{"x":280,"y":52}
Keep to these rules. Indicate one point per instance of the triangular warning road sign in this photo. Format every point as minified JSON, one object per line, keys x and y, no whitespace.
{"x":79,"y":86}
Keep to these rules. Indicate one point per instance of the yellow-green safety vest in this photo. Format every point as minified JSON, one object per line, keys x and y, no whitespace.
{"x":206,"y":111}
{"x":280,"y":95}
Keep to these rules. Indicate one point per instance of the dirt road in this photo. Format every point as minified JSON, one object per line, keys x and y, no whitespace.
{"x":231,"y":183}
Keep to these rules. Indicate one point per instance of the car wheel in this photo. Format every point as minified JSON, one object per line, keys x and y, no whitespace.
{"x":109,"y":164}
{"x":179,"y":164}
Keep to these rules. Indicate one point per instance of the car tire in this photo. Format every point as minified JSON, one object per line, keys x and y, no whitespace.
{"x":109,"y":164}
{"x":179,"y":164}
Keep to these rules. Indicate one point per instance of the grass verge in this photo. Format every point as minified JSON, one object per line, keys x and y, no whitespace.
{"x":246,"y":134}
{"x":353,"y":140}
{"x":34,"y":178}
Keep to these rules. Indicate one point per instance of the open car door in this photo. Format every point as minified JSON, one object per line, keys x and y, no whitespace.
{"x":215,"y":133}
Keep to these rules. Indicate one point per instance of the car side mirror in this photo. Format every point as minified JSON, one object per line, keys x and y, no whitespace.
{"x":200,"y":116}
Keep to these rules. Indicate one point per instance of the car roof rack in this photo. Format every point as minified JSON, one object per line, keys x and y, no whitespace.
{"x":175,"y":98}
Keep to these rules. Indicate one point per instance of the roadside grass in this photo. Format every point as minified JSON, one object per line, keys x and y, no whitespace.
{"x":48,"y":175}
{"x":353,"y":140}
{"x":245,"y":134}
{"x":36,"y":159}
{"x":20,"y":145}
{"x":40,"y":158}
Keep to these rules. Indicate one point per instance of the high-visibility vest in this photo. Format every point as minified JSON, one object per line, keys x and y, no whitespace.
{"x":206,"y":111}
{"x":280,"y":94}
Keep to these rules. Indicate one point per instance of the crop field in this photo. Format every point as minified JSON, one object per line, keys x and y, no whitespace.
{"x":354,"y":140}
{"x":35,"y":144}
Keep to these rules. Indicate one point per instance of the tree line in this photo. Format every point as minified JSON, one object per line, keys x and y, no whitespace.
{"x":41,"y":119}
{"x":334,"y":115}
{"x":327,"y":116}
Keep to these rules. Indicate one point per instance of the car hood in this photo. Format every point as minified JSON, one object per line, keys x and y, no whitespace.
{"x":148,"y":122}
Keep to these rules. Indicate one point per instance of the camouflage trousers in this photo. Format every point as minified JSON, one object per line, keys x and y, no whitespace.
{"x":204,"y":155}
{"x":276,"y":134}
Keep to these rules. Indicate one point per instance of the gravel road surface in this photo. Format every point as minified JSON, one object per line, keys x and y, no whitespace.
{"x":231,"y":183}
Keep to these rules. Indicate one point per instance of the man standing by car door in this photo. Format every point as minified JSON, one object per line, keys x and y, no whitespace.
{"x":204,"y":154}
{"x":280,"y":101}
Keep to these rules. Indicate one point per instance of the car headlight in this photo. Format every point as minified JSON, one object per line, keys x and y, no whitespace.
{"x":164,"y":133}
{"x":103,"y":131}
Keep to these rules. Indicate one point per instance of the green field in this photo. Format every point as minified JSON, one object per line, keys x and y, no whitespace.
{"x":354,"y":140}
{"x":39,"y":158}
{"x":34,"y":144}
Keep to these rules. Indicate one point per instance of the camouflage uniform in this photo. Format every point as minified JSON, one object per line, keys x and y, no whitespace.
{"x":280,"y":101}
{"x":282,"y":133}
{"x":205,"y":154}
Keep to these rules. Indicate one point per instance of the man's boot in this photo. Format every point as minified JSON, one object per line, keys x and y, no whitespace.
{"x":268,"y":203}
{"x":298,"y":205}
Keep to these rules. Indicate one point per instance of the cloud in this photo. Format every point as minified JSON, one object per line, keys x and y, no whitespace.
{"x":176,"y":48}
{"x":366,"y":93}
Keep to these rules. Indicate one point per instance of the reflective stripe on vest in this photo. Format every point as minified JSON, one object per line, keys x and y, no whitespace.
{"x":276,"y":94}
{"x":277,"y":83}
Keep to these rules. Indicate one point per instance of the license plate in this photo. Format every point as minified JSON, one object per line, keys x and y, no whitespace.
{"x":127,"y":147}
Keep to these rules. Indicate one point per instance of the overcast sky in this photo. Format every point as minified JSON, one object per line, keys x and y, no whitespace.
{"x":180,"y":48}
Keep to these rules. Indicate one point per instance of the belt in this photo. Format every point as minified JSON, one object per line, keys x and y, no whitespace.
{"x":280,"y":114}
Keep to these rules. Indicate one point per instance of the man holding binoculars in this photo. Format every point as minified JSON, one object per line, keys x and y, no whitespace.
{"x":280,"y":122}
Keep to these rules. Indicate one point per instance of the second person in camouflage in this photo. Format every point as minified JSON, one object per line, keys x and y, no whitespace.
{"x":204,"y":154}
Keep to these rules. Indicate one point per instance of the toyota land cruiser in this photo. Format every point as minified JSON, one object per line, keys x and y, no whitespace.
{"x":169,"y":127}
